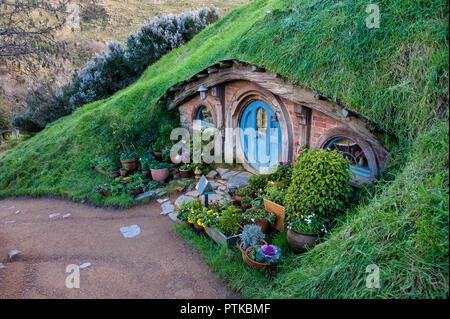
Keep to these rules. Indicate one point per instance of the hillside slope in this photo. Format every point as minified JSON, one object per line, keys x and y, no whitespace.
{"x":396,"y":75}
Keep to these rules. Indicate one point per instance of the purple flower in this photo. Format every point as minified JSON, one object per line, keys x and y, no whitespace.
{"x":253,"y":219}
{"x":289,"y":227}
{"x":269,"y":250}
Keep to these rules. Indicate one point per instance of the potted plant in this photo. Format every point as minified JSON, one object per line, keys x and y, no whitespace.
{"x":319,"y":193}
{"x":158,"y":148}
{"x":129,"y":159}
{"x":134,"y":189}
{"x":124,"y":171}
{"x":145,"y":165}
{"x":185,"y":170}
{"x":183,"y":213}
{"x":262,"y":256}
{"x":159,"y":170}
{"x":246,"y":202}
{"x":241,"y":192}
{"x":106,"y":166}
{"x":251,"y":235}
{"x":104,"y":189}
{"x":261,"y":218}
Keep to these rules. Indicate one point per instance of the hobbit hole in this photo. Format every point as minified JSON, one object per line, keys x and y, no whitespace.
{"x":273,"y":114}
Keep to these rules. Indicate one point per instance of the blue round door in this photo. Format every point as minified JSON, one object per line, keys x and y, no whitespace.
{"x":260,"y":136}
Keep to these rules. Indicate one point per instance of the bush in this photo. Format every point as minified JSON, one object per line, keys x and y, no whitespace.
{"x":112,"y":70}
{"x":258,"y":182}
{"x":319,"y":191}
{"x":5,"y":117}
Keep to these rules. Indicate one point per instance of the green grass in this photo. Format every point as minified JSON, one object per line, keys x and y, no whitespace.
{"x":396,"y":76}
{"x":403,"y":230}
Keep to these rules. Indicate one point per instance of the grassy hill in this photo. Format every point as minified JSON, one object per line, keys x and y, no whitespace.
{"x":396,"y":75}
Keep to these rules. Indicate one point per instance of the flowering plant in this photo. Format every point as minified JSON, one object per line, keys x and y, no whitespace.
{"x":105,"y":187}
{"x":267,"y":254}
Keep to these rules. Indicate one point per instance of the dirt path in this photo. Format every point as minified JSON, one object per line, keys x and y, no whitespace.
{"x":154,"y":264}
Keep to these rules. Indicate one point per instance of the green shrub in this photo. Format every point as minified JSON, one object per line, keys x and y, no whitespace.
{"x":245,"y":191}
{"x":319,"y":190}
{"x":276,"y":194}
{"x":258,"y":182}
{"x":231,"y":220}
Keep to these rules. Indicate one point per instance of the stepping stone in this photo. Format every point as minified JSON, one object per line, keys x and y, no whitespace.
{"x":84,"y":266}
{"x":222,"y":188}
{"x":51,"y":216}
{"x":193,"y":194}
{"x":9,"y":222}
{"x":66,"y":215}
{"x":211,"y":174}
{"x":173,"y":216}
{"x":2,"y":266}
{"x":130,"y":231}
{"x":181,"y":199}
{"x":11,"y":207}
{"x":162,"y":200}
{"x":222,"y":171}
{"x":12,"y":254}
{"x":190,"y":187}
{"x":167,"y":208}
{"x":153,"y":193}
{"x":239,"y":180}
{"x":24,"y":211}
{"x":229,"y":174}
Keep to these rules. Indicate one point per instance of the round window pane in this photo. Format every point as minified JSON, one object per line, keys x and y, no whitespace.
{"x":352,"y":152}
{"x":205,"y":115}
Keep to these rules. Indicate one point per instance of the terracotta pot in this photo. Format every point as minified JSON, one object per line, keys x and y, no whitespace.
{"x":264,"y":224}
{"x":238,"y":198}
{"x":185,"y":173}
{"x":123,"y":172}
{"x":239,"y":244}
{"x":130,"y":163}
{"x":146,"y":173}
{"x":135,"y":192}
{"x":159,"y":174}
{"x":253,"y":263}
{"x":112,"y":174}
{"x":104,"y":193}
{"x":299,"y":241}
{"x":158,"y":155}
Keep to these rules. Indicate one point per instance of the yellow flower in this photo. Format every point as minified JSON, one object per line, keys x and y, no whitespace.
{"x":301,"y":216}
{"x":192,"y":211}
{"x":209,"y":211}
{"x":297,"y":214}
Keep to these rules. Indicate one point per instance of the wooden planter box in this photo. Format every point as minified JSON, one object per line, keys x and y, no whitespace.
{"x":220,"y":238}
{"x":278,"y":210}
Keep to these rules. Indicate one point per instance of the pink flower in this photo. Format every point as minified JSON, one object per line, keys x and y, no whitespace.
{"x":295,"y":161}
{"x":298,"y":143}
{"x":300,"y":151}
{"x":285,"y":163}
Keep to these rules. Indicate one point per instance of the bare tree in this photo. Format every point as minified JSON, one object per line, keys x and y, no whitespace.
{"x":27,"y":29}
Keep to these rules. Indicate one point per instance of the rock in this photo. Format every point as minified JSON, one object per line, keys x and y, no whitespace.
{"x":12,"y":254}
{"x":179,"y":189}
{"x":9,"y":222}
{"x":2,"y":266}
{"x":212,"y":174}
{"x":181,"y":199}
{"x":24,"y":211}
{"x":193,"y":194}
{"x":173,"y":216}
{"x":222,"y":171}
{"x":239,"y":180}
{"x":130,"y":231}
{"x":84,"y":266}
{"x":153,"y":193}
{"x":51,"y":216}
{"x":222,"y":188}
{"x":167,"y":208}
{"x":176,"y":176}
{"x":66,"y":215}
{"x":162,"y":200}
{"x":190,"y":187}
{"x":229,"y":174}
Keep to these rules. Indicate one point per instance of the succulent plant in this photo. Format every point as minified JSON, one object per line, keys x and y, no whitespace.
{"x":251,"y":235}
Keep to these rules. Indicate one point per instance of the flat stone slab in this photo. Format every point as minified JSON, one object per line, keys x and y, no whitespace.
{"x":66,"y":215}
{"x":162,"y":200}
{"x":183,"y":198}
{"x":2,"y":266}
{"x":229,"y":174}
{"x":173,"y":216}
{"x":212,"y":174}
{"x":23,"y":211}
{"x":12,"y":254}
{"x":167,"y":208}
{"x":222,"y":171}
{"x":153,"y":193}
{"x":193,"y":194}
{"x":84,"y":265}
{"x":239,"y":180}
{"x":54,"y":215}
{"x":130,"y":231}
